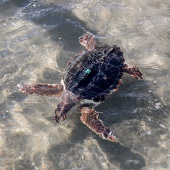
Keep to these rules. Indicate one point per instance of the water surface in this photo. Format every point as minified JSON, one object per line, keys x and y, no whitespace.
{"x":38,"y":39}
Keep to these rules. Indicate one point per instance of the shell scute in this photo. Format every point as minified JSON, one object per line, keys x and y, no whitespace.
{"x":94,"y":74}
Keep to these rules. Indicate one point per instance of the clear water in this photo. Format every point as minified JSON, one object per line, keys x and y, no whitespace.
{"x":37,"y":40}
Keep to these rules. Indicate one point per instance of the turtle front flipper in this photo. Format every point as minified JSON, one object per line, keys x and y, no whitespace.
{"x":133,"y":71}
{"x":41,"y":89}
{"x":87,"y":40}
{"x":90,"y":118}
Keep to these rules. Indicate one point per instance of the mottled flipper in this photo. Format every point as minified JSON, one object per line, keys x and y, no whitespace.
{"x":87,"y":40}
{"x":41,"y":89}
{"x":133,"y":71}
{"x":90,"y":118}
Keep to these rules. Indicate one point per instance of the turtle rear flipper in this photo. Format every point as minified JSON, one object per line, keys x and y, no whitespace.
{"x":133,"y":71}
{"x":41,"y":89}
{"x":90,"y":118}
{"x":87,"y":40}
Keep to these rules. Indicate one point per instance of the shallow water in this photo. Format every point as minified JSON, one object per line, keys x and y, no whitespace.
{"x":37,"y":40}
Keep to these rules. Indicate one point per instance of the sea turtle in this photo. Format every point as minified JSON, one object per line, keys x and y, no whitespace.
{"x":89,"y":77}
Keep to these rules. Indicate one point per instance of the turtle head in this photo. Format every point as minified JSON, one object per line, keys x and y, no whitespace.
{"x":87,"y":40}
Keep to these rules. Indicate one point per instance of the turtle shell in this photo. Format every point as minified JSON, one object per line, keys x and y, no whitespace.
{"x":94,"y":74}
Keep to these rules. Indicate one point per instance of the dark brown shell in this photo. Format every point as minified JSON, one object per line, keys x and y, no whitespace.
{"x":94,"y":74}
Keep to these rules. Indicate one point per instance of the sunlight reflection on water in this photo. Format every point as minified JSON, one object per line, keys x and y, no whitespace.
{"x":38,"y":39}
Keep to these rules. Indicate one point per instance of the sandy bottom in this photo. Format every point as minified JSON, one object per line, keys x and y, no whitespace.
{"x":38,"y":39}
